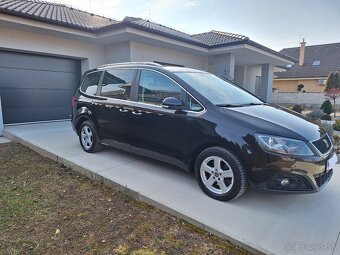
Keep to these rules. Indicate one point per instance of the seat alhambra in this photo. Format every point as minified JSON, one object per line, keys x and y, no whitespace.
{"x":227,"y":137}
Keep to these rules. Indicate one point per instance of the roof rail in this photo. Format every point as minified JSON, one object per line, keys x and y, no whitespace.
{"x":130,"y":64}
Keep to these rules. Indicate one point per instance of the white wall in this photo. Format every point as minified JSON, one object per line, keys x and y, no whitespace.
{"x":223,"y":65}
{"x":308,"y":98}
{"x":117,"y":53}
{"x":144,"y":52}
{"x":92,"y":55}
{"x":245,"y":76}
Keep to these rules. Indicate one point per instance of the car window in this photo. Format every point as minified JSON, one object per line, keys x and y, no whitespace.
{"x":117,"y":83}
{"x":90,"y":83}
{"x":155,"y":87}
{"x":217,"y":91}
{"x":193,"y":105}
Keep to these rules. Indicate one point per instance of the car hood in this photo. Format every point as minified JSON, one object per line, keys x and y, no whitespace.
{"x":276,"y":120}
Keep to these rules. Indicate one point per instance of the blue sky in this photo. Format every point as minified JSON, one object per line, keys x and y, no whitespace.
{"x":274,"y":23}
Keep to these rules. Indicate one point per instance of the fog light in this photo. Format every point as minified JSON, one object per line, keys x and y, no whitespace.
{"x":285,"y":182}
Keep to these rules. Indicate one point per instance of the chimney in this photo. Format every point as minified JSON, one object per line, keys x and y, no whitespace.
{"x":302,"y":52}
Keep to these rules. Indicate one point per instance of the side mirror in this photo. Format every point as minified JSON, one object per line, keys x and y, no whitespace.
{"x":172,"y":103}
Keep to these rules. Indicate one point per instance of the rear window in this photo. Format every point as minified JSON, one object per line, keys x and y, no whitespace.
{"x":90,"y":83}
{"x":117,"y":83}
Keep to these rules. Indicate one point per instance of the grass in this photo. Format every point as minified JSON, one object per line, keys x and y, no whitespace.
{"x":46,"y":208}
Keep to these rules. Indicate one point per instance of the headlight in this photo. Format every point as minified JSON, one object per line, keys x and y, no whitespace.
{"x":284,"y":145}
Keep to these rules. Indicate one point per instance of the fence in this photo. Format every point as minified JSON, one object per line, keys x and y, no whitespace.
{"x":303,"y":98}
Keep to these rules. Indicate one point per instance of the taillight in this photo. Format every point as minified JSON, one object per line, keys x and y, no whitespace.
{"x":72,"y":102}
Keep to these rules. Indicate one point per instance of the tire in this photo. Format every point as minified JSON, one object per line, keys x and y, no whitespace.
{"x":88,"y":137}
{"x":220,"y":174}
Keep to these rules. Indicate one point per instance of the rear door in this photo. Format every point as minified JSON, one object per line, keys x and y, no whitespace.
{"x":113,"y":109}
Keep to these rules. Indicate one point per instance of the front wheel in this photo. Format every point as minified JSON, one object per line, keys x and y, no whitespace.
{"x":88,"y":137}
{"x":220,"y":174}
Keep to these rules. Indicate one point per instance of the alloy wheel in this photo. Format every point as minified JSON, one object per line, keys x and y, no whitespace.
{"x":217,"y":175}
{"x":86,"y":137}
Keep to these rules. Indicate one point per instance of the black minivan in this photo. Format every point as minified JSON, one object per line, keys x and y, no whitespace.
{"x":226,"y":136}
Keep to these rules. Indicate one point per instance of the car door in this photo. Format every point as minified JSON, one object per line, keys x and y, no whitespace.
{"x":158,"y":132}
{"x":114,"y":108}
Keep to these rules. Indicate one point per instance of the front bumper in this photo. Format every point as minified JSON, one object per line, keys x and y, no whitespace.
{"x":296,"y":175}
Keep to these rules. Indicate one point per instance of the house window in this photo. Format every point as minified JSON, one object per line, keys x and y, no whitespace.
{"x":322,"y":82}
{"x":316,"y":62}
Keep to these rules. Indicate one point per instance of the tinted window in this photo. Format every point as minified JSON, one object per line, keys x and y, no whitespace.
{"x":193,"y":105}
{"x":90,"y":83}
{"x":117,"y":83}
{"x":216,"y":90}
{"x":155,"y":87}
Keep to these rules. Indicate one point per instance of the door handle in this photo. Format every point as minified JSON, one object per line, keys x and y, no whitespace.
{"x":136,"y":113}
{"x":123,"y":110}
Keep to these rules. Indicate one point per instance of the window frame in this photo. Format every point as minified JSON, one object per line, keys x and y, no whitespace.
{"x":184,"y":97}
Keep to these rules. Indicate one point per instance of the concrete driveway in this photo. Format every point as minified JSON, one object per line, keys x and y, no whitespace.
{"x":262,"y":222}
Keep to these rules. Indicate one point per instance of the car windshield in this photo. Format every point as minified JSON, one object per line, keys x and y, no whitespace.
{"x":218,"y":91}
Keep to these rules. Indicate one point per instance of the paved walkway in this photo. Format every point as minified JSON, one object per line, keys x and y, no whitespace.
{"x":261,"y":222}
{"x":4,"y":140}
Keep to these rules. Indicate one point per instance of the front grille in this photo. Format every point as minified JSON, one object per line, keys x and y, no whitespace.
{"x":323,"y":178}
{"x":324,"y":144}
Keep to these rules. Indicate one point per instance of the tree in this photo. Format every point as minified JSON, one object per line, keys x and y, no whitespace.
{"x":327,"y":107}
{"x":332,"y":90}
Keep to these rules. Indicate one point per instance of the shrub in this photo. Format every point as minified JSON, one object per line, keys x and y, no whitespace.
{"x":326,"y":117}
{"x":327,"y":107}
{"x":336,"y":125}
{"x":300,"y":87}
{"x":297,"y":108}
{"x":315,"y":115}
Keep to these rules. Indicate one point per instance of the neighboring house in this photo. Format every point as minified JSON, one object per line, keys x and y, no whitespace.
{"x":44,"y":48}
{"x":315,"y":64}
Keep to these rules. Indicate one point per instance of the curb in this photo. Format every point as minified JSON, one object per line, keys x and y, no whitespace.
{"x":133,"y":194}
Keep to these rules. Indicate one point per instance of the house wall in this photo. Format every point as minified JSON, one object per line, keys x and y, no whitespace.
{"x":117,"y":53}
{"x":91,"y":55}
{"x":311,"y":85}
{"x":144,"y":52}
{"x":245,"y":76}
{"x":223,"y":65}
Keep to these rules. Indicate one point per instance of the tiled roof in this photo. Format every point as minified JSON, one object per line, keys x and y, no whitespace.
{"x":54,"y":13}
{"x":158,"y":28}
{"x":328,"y":54}
{"x":67,"y":16}
{"x":215,"y":38}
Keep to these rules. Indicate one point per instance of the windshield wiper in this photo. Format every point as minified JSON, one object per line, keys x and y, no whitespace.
{"x":255,"y":104}
{"x":228,"y":105}
{"x":238,"y":105}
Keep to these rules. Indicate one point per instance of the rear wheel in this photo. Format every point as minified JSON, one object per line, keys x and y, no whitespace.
{"x":220,"y":174}
{"x":88,"y":137}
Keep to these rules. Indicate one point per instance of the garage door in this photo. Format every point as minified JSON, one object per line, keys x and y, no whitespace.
{"x":36,"y":87}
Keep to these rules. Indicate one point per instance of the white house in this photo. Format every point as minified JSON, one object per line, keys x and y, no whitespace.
{"x":44,"y":48}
